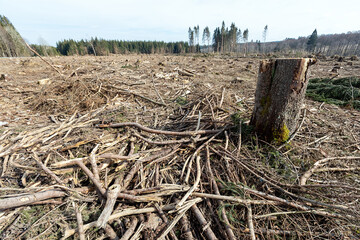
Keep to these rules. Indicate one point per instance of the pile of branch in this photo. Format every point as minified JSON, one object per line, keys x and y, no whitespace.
{"x":142,"y":182}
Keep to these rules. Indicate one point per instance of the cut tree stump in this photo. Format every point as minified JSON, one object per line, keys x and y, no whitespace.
{"x":279,"y":96}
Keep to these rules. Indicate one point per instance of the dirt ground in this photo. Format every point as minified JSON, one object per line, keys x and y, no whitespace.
{"x":159,"y":91}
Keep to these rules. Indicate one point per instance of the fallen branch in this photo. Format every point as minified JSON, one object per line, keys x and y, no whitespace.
{"x":250,"y":222}
{"x":319,"y":163}
{"x":123,"y":213}
{"x":27,"y":199}
{"x":243,"y":202}
{"x":193,"y":187}
{"x":296,"y":205}
{"x":130,"y":231}
{"x":37,"y":54}
{"x":79,"y":221}
{"x":165,"y":219}
{"x":146,"y":129}
{"x":111,"y":233}
{"x":168,"y":141}
{"x":229,"y":231}
{"x":111,"y":197}
{"x":138,"y":95}
{"x":47,"y":170}
{"x":204,"y":224}
{"x":182,"y":212}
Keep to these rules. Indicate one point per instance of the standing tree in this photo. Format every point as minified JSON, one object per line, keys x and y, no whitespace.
{"x":245,"y":38}
{"x":196,"y":36}
{"x":216,"y":40}
{"x":223,"y":32}
{"x":238,"y":39}
{"x":264,"y":37}
{"x":311,"y":43}
{"x":233,"y":37}
{"x":191,"y":39}
{"x":206,"y":38}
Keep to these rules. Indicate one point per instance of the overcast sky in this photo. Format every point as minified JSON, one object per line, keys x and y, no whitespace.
{"x":48,"y":21}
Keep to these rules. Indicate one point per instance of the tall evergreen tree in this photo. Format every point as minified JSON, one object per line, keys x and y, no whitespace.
{"x":311,"y":43}
{"x":217,"y":40}
{"x":223,"y":31}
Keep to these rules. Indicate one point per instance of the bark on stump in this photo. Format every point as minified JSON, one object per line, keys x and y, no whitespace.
{"x":279,"y":96}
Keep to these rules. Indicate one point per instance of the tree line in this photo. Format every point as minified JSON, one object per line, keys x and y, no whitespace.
{"x":344,"y":44}
{"x":102,"y":47}
{"x":224,"y":39}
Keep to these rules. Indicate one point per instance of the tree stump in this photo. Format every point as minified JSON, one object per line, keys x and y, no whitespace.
{"x":279,"y":96}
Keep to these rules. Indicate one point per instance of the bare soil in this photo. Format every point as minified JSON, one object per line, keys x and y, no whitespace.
{"x":54,"y":118}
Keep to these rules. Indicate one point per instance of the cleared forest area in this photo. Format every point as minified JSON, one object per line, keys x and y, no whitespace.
{"x":168,"y":138}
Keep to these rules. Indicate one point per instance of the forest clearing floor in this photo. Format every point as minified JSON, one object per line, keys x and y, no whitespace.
{"x":168,"y":136}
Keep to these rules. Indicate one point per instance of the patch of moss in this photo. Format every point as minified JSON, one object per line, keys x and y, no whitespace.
{"x":282,"y":134}
{"x":181,"y":100}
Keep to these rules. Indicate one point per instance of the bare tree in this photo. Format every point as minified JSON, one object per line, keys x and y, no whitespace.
{"x":264,"y":37}
{"x":196,"y":36}
{"x":191,"y":39}
{"x":245,"y":38}
{"x":206,"y":38}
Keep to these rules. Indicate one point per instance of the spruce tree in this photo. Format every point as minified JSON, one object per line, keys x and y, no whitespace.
{"x":311,"y":43}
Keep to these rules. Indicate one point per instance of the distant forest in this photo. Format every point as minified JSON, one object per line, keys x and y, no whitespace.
{"x":105,"y":47}
{"x":231,"y":39}
{"x":223,"y":39}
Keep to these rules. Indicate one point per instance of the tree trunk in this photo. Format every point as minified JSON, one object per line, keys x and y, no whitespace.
{"x":279,"y":95}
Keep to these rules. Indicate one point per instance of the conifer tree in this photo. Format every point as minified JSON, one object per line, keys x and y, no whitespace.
{"x":223,"y":31}
{"x":311,"y":43}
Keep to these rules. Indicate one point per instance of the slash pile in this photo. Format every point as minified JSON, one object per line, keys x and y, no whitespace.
{"x":203,"y":174}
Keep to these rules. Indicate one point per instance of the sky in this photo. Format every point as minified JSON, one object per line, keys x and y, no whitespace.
{"x":50,"y":21}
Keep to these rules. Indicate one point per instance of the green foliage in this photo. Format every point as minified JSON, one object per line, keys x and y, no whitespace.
{"x":341,"y":92}
{"x":226,"y":40}
{"x":11,"y":43}
{"x":311,"y":43}
{"x":181,"y":100}
{"x":102,"y":47}
{"x":44,"y":50}
{"x":4,"y":22}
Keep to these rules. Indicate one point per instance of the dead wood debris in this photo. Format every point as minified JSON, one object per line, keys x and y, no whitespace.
{"x":177,"y":177}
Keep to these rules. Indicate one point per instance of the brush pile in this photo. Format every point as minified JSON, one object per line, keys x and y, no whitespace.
{"x":159,"y":147}
{"x":201,"y":175}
